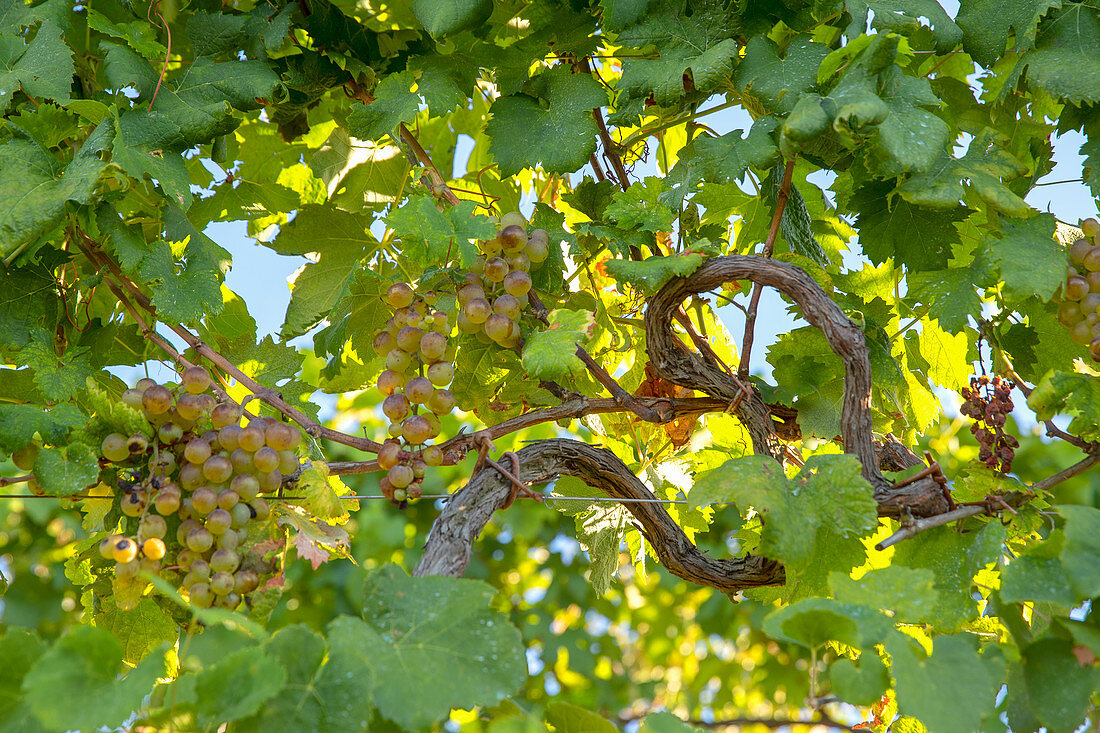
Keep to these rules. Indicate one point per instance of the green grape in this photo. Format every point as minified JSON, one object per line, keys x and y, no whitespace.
{"x":489,"y":247}
{"x":266,"y":459}
{"x":517,"y":283}
{"x":107,"y":547}
{"x":537,"y":252}
{"x":419,"y":469}
{"x":434,"y":425}
{"x":197,"y":451}
{"x":432,"y":455}
{"x":246,"y":486}
{"x":229,"y":540}
{"x":144,"y":383}
{"x":1094,"y":348}
{"x":399,"y":295}
{"x":1076,"y":287}
{"x":204,"y":500}
{"x":156,"y":400}
{"x":398,"y":360}
{"x":252,"y":438}
{"x":127,"y":570}
{"x":132,"y":397}
{"x":241,"y":461}
{"x":137,"y":443}
{"x":24,"y":457}
{"x":167,"y":501}
{"x":388,"y":454}
{"x":408,"y":338}
{"x":133,"y":503}
{"x":433,"y":346}
{"x":169,"y":433}
{"x":498,"y":327}
{"x":152,"y":525}
{"x":465,"y":325}
{"x":163,"y":463}
{"x":394,"y":430}
{"x":477,"y":310}
{"x":262,"y":509}
{"x":207,"y":403}
{"x":512,"y":218}
{"x":271,"y":480}
{"x":242,"y":514}
{"x":200,"y":539}
{"x":519,"y":262}
{"x":389,"y":381}
{"x":228,"y":498}
{"x":400,"y":495}
{"x":415,"y":429}
{"x":400,"y":476}
{"x":280,"y":436}
{"x":1091,"y":227}
{"x":217,"y":469}
{"x":189,"y":407}
{"x":229,"y":437}
{"x":225,"y":414}
{"x":230,"y":600}
{"x":218,"y":521}
{"x":440,"y":373}
{"x":469,"y":292}
{"x":1069,"y":313}
{"x":1090,"y":304}
{"x":383,"y":342}
{"x":1091,"y":260}
{"x":495,"y":270}
{"x":200,"y":595}
{"x":513,"y":237}
{"x":225,"y":561}
{"x":288,"y":462}
{"x":418,"y":390}
{"x":441,"y":402}
{"x":195,"y":379}
{"x":184,"y":529}
{"x":396,"y":407}
{"x":508,"y":305}
{"x":1081,"y":332}
{"x":246,"y":581}
{"x":114,"y":448}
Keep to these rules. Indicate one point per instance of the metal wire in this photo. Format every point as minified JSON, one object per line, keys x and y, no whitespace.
{"x":365,"y":497}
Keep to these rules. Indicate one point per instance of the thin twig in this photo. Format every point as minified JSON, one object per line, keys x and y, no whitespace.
{"x":769,"y":245}
{"x":15,"y":480}
{"x":436,"y":183}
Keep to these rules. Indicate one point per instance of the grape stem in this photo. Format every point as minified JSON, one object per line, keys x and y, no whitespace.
{"x":432,"y":179}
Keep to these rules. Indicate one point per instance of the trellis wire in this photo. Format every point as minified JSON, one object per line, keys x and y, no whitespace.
{"x":362,"y":497}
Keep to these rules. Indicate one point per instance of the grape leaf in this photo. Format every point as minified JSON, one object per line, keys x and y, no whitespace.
{"x":237,"y":685}
{"x":652,"y":273}
{"x":35,"y":188}
{"x":640,"y":207}
{"x":724,"y":159}
{"x":26,"y":303}
{"x":775,"y":83}
{"x":182,"y":296}
{"x":140,"y":630}
{"x":917,"y":237}
{"x":19,"y":423}
{"x":906,"y":591}
{"x":1063,"y":61}
{"x":550,"y":354}
{"x":437,"y":633}
{"x":568,"y":718}
{"x":85,"y":663}
{"x":138,"y":35}
{"x":814,"y":621}
{"x":987,"y":25}
{"x":1082,"y":532}
{"x":60,"y":377}
{"x":67,"y":471}
{"x":42,"y":69}
{"x":317,"y":287}
{"x":19,"y":649}
{"x":439,"y":19}
{"x":549,"y":122}
{"x":860,"y":685}
{"x":950,"y":690}
{"x":1028,"y":258}
{"x":393,"y":105}
{"x":433,"y":237}
{"x":1058,"y":686}
{"x":904,"y":17}
{"x":698,"y":46}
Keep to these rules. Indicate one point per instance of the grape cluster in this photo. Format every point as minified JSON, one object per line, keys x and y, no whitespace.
{"x":191,"y":494}
{"x":1080,"y":309}
{"x":987,"y":403}
{"x":418,"y":346}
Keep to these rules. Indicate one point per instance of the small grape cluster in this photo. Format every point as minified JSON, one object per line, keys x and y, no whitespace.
{"x":193,"y":492}
{"x":417,"y":344}
{"x":496,"y":292}
{"x":988,"y":401}
{"x":1080,"y":309}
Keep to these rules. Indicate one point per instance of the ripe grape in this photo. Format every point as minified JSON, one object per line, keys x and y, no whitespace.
{"x":400,"y":476}
{"x":398,"y":360}
{"x":124,"y":550}
{"x":477,"y":310}
{"x":517,"y":283}
{"x":396,"y":407}
{"x":197,"y":451}
{"x":195,"y":379}
{"x":241,"y":513}
{"x":433,"y":346}
{"x":132,"y":397}
{"x":519,"y":261}
{"x":170,"y":432}
{"x":222,"y":583}
{"x":399,"y":295}
{"x":388,"y":381}
{"x":441,"y":402}
{"x":137,"y":443}
{"x":508,"y":305}
{"x":1091,"y":227}
{"x":1091,"y":260}
{"x":156,"y":400}
{"x":266,"y":459}
{"x":219,"y":521}
{"x":512,"y":218}
{"x":498,"y":327}
{"x":261,"y":508}
{"x":133,"y":504}
{"x":114,"y":448}
{"x":440,"y":373}
{"x":153,"y":548}
{"x":204,"y":500}
{"x":200,"y":539}
{"x":280,"y":436}
{"x":419,"y":468}
{"x":432,"y":456}
{"x":245,"y":485}
{"x":201,"y":595}
{"x":225,"y":561}
{"x":225,"y":414}
{"x":152,"y":525}
{"x":246,"y":581}
{"x":495,"y":270}
{"x":288,"y":462}
{"x":270,"y":481}
{"x":465,"y":325}
{"x":217,"y":469}
{"x":513,"y":238}
{"x":241,"y":460}
{"x":383,"y":342}
{"x":167,"y":501}
{"x":251,"y":438}
{"x":388,"y":454}
{"x":24,"y":457}
{"x":416,"y":429}
{"x":1081,"y":332}
{"x":408,"y":338}
{"x":418,"y":390}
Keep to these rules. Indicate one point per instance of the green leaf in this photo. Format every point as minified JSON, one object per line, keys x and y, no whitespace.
{"x":19,"y":423}
{"x":949,"y":691}
{"x":908,"y":592}
{"x":1081,"y":548}
{"x":393,"y":104}
{"x":568,"y":718}
{"x":28,"y":303}
{"x":905,"y":18}
{"x":238,"y":685}
{"x":954,"y":558}
{"x":1058,"y":686}
{"x":652,"y":273}
{"x":19,"y":649}
{"x":439,"y":19}
{"x":1038,"y":575}
{"x":550,"y":354}
{"x":775,"y":83}
{"x":988,"y":24}
{"x":951,"y":295}
{"x":1064,"y":61}
{"x":724,"y":159}
{"x":317,"y":287}
{"x":434,"y":633}
{"x":321,"y":499}
{"x":640,"y":207}
{"x":700,"y":46}
{"x":85,"y":663}
{"x":115,"y":414}
{"x":66,"y":471}
{"x":140,"y":140}
{"x":432,"y":237}
{"x":813,"y":621}
{"x":42,"y":69}
{"x":140,"y":630}
{"x":887,"y":227}
{"x":1073,"y":394}
{"x":550,"y":123}
{"x":35,"y":189}
{"x":1029,"y":259}
{"x":755,"y":474}
{"x":138,"y":35}
{"x":303,"y":703}
{"x":863,"y":684}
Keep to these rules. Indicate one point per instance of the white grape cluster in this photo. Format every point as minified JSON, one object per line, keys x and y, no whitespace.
{"x":1080,"y":309}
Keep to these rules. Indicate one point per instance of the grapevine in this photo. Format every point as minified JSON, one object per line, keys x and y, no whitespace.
{"x":1080,"y":309}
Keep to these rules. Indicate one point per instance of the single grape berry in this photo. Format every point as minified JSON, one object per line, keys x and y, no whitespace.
{"x":388,"y":454}
{"x":133,"y":503}
{"x":219,"y":521}
{"x":434,"y":345}
{"x":1091,"y":227}
{"x":132,"y":397}
{"x":114,"y":448}
{"x":498,"y":327}
{"x":1076,"y":288}
{"x":280,"y":436}
{"x":519,"y":261}
{"x":225,"y":414}
{"x":441,"y":373}
{"x":125,"y":550}
{"x":513,"y":238}
{"x":495,"y":270}
{"x":156,"y":400}
{"x":400,"y":476}
{"x":396,"y":407}
{"x":512,"y":218}
{"x":517,"y":283}
{"x":477,"y":310}
{"x":416,"y":429}
{"x":169,"y":433}
{"x":197,"y":451}
{"x":1091,"y":260}
{"x":508,"y":305}
{"x":399,"y":295}
{"x":441,"y":402}
{"x":195,"y":379}
{"x":200,"y":539}
{"x":201,"y":595}
{"x":252,"y":438}
{"x":398,"y":360}
{"x":418,"y":390}
{"x":468,"y":292}
{"x":389,"y":381}
{"x":217,"y":469}
{"x":152,"y":525}
{"x":383,"y":342}
{"x":225,"y":561}
{"x":432,"y":456}
{"x":153,"y":548}
{"x":167,"y":502}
